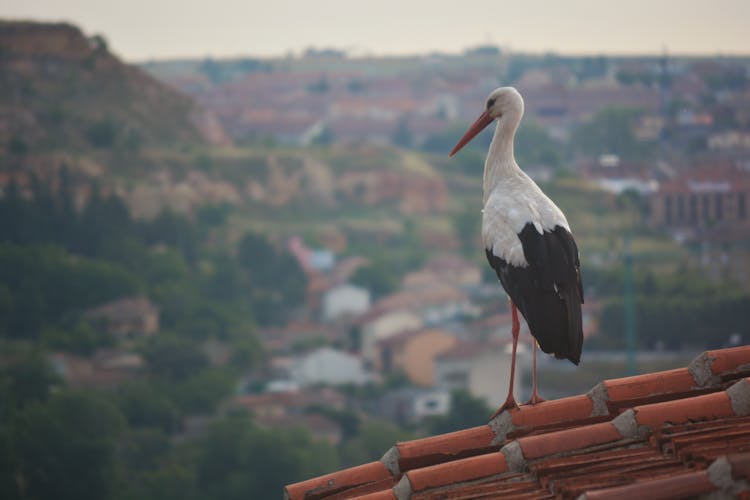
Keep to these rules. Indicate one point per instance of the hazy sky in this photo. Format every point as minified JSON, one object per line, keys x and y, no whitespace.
{"x":143,"y":29}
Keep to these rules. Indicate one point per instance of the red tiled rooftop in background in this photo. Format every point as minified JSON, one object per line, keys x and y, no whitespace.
{"x":628,"y":437}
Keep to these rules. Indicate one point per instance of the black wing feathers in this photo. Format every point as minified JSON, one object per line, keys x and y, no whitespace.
{"x":548,"y":292}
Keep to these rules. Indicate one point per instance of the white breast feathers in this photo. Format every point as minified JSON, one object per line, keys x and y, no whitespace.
{"x":507,"y":210}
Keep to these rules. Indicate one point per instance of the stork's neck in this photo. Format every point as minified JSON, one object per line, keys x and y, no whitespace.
{"x":501,"y":162}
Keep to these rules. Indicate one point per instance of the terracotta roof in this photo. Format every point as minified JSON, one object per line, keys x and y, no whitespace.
{"x":468,"y":349}
{"x":124,"y":309}
{"x":402,"y":337}
{"x":709,"y":179}
{"x":415,"y":299}
{"x":669,"y":434}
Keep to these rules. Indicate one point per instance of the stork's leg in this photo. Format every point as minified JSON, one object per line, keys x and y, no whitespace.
{"x":510,"y":401}
{"x":535,"y":397}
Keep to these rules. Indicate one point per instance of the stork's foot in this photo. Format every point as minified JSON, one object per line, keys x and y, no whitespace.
{"x":535,"y":400}
{"x":510,"y":404}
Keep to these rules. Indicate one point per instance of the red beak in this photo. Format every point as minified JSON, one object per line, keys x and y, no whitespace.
{"x":479,"y":125}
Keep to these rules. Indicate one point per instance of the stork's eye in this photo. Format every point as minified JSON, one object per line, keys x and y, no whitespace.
{"x":490,"y":103}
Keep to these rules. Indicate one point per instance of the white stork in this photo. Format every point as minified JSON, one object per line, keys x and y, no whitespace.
{"x":527,"y":241}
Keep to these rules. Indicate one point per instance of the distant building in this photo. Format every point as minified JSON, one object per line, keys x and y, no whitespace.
{"x":378,"y":326}
{"x":128,"y":316}
{"x":285,"y":410}
{"x":729,"y":140}
{"x":322,"y":260}
{"x":411,"y":405}
{"x":297,"y":128}
{"x":614,"y":175}
{"x":218,"y":353}
{"x":277,"y":404}
{"x":321,"y":427}
{"x":294,"y":334}
{"x":703,"y":198}
{"x":434,"y":304}
{"x":282,"y":386}
{"x":444,"y":270}
{"x":345,"y":300}
{"x":328,"y":366}
{"x":482,"y":369}
{"x":413,"y":353}
{"x":302,"y":253}
{"x":104,"y":370}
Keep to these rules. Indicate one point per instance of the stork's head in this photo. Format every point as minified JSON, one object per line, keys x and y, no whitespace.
{"x":504,"y":104}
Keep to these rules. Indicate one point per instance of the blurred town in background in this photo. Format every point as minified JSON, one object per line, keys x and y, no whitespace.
{"x":244,"y":272}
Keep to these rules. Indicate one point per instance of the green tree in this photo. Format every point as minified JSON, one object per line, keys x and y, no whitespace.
{"x":66,"y":448}
{"x":46,"y":284}
{"x":173,"y":358}
{"x":215,"y":71}
{"x":202,"y":393}
{"x":174,"y":479}
{"x":165,"y":267}
{"x":143,"y":448}
{"x":402,"y":135}
{"x":27,"y":381}
{"x":467,"y":224}
{"x":17,"y":146}
{"x":534,"y":146}
{"x":144,"y":405}
{"x":321,"y":86}
{"x":611,"y":130}
{"x":8,"y":464}
{"x":378,"y":277}
{"x":254,"y":251}
{"x":174,"y":230}
{"x":78,"y":337}
{"x":237,"y":460}
{"x":224,"y":281}
{"x":213,"y":215}
{"x":371,"y":442}
{"x":325,"y":137}
{"x":274,"y":279}
{"x":102,"y":134}
{"x":466,"y":411}
{"x":247,"y":351}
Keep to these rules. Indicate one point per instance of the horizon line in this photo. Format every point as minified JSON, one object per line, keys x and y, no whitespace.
{"x":363,"y":54}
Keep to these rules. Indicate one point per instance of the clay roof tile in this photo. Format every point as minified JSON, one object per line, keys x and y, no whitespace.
{"x":444,"y":447}
{"x":705,"y":407}
{"x":465,"y":469}
{"x":650,"y":384}
{"x":728,"y":361}
{"x":569,"y":439}
{"x":329,"y":484}
{"x":553,"y":411}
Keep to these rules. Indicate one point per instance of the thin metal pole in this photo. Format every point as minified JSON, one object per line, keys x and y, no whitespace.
{"x":629,"y":307}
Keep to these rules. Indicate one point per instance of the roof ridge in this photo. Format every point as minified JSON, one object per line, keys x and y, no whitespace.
{"x":632,"y":408}
{"x":636,"y":423}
